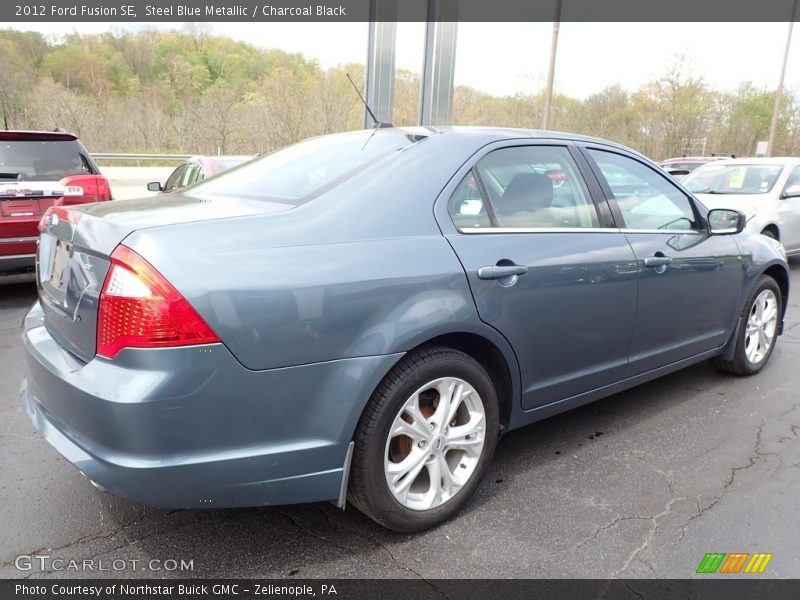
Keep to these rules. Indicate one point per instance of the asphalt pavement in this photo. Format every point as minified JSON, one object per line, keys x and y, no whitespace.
{"x":641,"y":484}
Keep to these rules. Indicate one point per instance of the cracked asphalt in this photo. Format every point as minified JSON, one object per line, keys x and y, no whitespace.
{"x":641,"y":484}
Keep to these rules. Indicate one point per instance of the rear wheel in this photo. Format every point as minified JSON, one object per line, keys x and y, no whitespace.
{"x":758,"y":332}
{"x":425,"y":440}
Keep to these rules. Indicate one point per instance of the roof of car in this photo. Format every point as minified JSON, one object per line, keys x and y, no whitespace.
{"x":485,"y":135}
{"x":35,"y":136}
{"x":222,"y":157}
{"x":507,"y":132}
{"x":692,"y":159}
{"x":764,"y":160}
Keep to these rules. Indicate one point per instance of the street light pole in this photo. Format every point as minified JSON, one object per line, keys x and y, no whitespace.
{"x":779,"y":92}
{"x":548,"y":100}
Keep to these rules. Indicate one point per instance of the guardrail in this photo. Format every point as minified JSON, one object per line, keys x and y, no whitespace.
{"x":123,"y":156}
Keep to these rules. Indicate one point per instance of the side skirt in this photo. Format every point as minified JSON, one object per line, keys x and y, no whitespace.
{"x":548,"y":410}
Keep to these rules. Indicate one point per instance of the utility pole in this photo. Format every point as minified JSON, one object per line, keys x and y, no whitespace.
{"x":548,"y":100}
{"x":779,"y":92}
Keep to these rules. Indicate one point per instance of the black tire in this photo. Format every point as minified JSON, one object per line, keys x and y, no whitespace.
{"x":770,"y":233}
{"x":368,"y":489}
{"x":740,"y":364}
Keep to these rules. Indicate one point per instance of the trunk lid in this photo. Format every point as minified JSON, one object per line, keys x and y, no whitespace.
{"x":76,"y":242}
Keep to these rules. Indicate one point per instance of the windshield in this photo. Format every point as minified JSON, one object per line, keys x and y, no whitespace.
{"x":733,"y":179}
{"x":299,"y":172}
{"x":229,"y":163}
{"x":24,"y":160}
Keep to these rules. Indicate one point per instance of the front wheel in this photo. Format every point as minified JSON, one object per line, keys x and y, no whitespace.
{"x":757,"y":335}
{"x":424,"y":440}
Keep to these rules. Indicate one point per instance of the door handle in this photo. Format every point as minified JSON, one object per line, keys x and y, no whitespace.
{"x":501,"y":271}
{"x":657,"y":261}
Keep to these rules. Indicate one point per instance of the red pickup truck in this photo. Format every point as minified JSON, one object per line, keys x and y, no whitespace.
{"x":40,"y":169}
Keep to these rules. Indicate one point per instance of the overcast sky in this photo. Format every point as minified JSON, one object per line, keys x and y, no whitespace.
{"x":509,"y":58}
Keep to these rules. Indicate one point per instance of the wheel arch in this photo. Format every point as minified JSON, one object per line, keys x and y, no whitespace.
{"x":490,"y":349}
{"x":774,"y":229}
{"x":491,"y":358}
{"x":781,"y":276}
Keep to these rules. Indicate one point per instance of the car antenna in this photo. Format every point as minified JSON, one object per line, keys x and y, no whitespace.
{"x":5,"y":116}
{"x":378,"y":124}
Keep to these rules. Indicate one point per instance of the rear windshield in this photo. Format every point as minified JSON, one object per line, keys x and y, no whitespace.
{"x":733,"y":178}
{"x":229,"y":163}
{"x":300,"y":172}
{"x":41,"y":161}
{"x":681,"y":166}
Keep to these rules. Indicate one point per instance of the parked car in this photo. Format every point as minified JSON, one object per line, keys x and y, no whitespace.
{"x":339,"y":320}
{"x":40,"y":169}
{"x":767,"y":190}
{"x":681,"y":167}
{"x":195,"y":169}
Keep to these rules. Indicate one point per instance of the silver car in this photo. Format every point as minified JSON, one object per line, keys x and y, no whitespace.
{"x":767,"y":190}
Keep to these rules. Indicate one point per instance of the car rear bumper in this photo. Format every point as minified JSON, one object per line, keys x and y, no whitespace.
{"x":18,"y":237}
{"x":192,"y":428}
{"x":16,"y":263}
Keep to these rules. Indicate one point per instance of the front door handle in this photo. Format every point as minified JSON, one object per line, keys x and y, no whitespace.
{"x":501,"y":271}
{"x":657,"y":261}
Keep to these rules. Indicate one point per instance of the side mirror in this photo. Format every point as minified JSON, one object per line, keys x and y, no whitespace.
{"x":725,"y":221}
{"x":154,"y":186}
{"x":793,"y":191}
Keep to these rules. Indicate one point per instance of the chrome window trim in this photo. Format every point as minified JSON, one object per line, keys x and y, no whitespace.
{"x":669,"y":231}
{"x":13,"y":256}
{"x":479,"y":230}
{"x":19,"y":240}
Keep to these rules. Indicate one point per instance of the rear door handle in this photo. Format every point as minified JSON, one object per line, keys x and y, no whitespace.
{"x":500,"y":271}
{"x":657,"y":261}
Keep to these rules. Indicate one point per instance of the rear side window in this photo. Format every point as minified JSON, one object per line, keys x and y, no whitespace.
{"x":528,"y":187}
{"x":646,"y":199}
{"x":24,"y":160}
{"x":299,"y":172}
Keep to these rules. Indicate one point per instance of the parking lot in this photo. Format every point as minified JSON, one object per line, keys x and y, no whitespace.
{"x":641,"y":484}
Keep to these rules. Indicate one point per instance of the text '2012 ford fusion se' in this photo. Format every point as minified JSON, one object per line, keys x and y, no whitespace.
{"x":361,"y":315}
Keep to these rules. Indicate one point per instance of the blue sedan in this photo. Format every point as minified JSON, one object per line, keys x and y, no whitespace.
{"x":360,"y":316}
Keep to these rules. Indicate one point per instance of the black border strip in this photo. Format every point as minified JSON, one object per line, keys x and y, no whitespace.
{"x":733,"y":587}
{"x":132,"y":11}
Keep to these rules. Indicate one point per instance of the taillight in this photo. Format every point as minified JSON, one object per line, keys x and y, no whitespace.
{"x":60,"y":213}
{"x":139,"y":308}
{"x":82,"y":189}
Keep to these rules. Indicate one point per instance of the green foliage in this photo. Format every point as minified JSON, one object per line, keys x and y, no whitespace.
{"x":189,"y":91}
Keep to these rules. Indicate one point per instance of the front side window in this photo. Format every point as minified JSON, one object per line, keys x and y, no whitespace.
{"x":175,"y":180}
{"x":646,"y":199}
{"x":527,"y":187}
{"x":793,"y":179}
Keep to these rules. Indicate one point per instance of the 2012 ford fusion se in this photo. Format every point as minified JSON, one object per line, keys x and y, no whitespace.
{"x":361,"y":315}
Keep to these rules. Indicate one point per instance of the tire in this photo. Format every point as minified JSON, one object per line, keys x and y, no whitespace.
{"x":406,"y":402}
{"x":752,"y":351}
{"x":770,"y":233}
